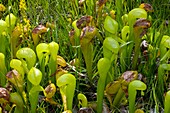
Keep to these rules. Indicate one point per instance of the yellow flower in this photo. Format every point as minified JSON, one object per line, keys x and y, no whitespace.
{"x":27,"y":24}
{"x":22,"y":5}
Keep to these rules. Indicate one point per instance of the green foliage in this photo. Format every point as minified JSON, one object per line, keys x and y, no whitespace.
{"x":100,"y":40}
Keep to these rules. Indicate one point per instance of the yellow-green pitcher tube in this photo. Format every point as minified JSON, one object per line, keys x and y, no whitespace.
{"x":3,"y":70}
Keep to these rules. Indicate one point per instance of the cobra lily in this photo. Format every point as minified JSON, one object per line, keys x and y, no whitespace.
{"x":50,"y":90}
{"x":61,"y":61}
{"x":67,"y":84}
{"x":3,"y":69}
{"x":35,"y":77}
{"x":16,"y":99}
{"x":164,"y":52}
{"x":161,"y":80}
{"x":115,"y":90}
{"x":86,"y":37}
{"x":16,"y":79}
{"x":3,"y":26}
{"x":17,"y":65}
{"x":15,"y":40}
{"x":103,"y":68}
{"x":134,"y":14}
{"x":84,"y":21}
{"x":147,"y":7}
{"x":47,"y":55}
{"x":27,"y":57}
{"x":133,"y":86}
{"x":111,"y":26}
{"x":36,"y":33}
{"x":110,"y":48}
{"x":140,"y":29}
{"x":82,"y":100}
{"x":3,"y":42}
{"x":10,"y":20}
{"x":125,"y":37}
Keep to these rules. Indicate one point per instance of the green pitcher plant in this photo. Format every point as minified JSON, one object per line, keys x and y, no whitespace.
{"x":74,"y":34}
{"x":123,"y":54}
{"x":27,"y":57}
{"x":167,"y":100}
{"x":110,"y":48}
{"x":37,"y":34}
{"x":6,"y":28}
{"x":125,"y":33}
{"x":43,"y":53}
{"x":110,"y":51}
{"x":147,"y":7}
{"x":82,"y":100}
{"x":3,"y":26}
{"x":132,"y":91}
{"x":134,"y":14}
{"x":10,"y":19}
{"x":16,"y":79}
{"x":84,"y":39}
{"x":111,"y":90}
{"x":116,"y":90}
{"x":125,"y":19}
{"x":165,"y":45}
{"x":162,"y":80}
{"x":67,"y":84}
{"x":103,"y":66}
{"x":50,"y":90}
{"x":139,"y":28}
{"x":15,"y":40}
{"x":17,"y":65}
{"x":33,"y":97}
{"x":35,"y":77}
{"x":3,"y":42}
{"x":17,"y":100}
{"x":53,"y":47}
{"x":115,"y":50}
{"x":49,"y":93}
{"x":47,"y":55}
{"x":3,"y":70}
{"x":87,"y":34}
{"x":111,"y":26}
